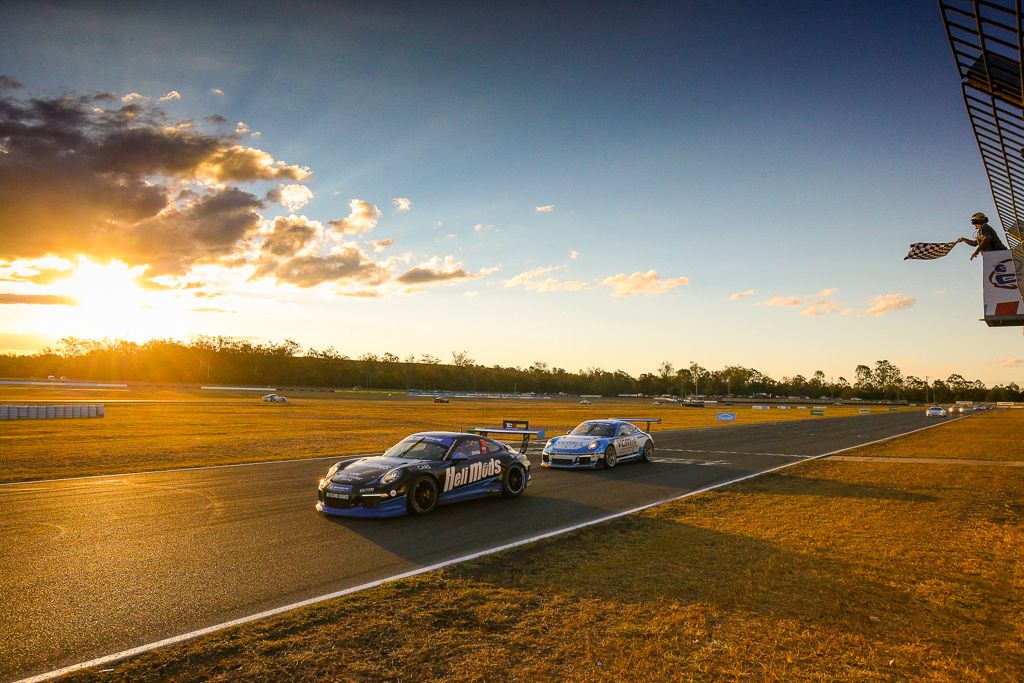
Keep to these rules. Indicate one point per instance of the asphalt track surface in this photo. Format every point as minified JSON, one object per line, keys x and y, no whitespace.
{"x":94,"y":566}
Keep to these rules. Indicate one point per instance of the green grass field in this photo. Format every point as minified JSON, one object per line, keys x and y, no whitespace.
{"x":190,"y":428}
{"x":828,"y":570}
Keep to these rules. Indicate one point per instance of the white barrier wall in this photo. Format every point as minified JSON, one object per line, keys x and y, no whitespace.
{"x":51,"y":412}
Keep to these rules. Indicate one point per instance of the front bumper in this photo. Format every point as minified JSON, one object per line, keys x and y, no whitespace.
{"x":360,"y":506}
{"x":570,"y":461}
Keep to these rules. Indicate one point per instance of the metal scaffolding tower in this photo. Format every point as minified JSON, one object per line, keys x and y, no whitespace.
{"x":987,"y":39}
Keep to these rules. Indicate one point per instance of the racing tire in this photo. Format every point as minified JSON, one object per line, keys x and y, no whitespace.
{"x":647,"y":454}
{"x":610,"y":457}
{"x":422,"y":495}
{"x":514,"y":482}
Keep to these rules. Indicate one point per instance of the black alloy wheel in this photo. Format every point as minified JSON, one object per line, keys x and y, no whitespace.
{"x":514,"y":482}
{"x":422,"y":495}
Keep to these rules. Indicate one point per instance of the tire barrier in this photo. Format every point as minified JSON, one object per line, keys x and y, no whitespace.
{"x":51,"y":412}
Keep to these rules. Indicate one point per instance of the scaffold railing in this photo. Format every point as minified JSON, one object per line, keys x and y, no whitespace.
{"x":987,"y":40}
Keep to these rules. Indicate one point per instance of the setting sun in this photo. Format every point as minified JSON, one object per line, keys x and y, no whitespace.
{"x":111,"y":304}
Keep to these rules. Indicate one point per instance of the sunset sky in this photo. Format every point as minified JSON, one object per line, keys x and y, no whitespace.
{"x":582,"y":184}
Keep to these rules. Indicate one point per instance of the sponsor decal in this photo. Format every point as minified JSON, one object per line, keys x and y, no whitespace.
{"x":474,"y":472}
{"x":571,"y":444}
{"x":1002,"y":275}
{"x":345,"y":476}
{"x":423,"y":467}
{"x":447,"y":441}
{"x":367,"y":489}
{"x":726,"y":417}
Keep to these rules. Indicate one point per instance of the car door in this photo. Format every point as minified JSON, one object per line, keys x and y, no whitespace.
{"x":464,"y":465}
{"x":625,"y":441}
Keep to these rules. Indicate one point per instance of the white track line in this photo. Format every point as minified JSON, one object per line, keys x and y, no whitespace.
{"x":701,"y":450}
{"x":174,"y":640}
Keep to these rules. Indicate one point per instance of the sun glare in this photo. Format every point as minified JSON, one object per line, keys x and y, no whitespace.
{"x":111,"y":304}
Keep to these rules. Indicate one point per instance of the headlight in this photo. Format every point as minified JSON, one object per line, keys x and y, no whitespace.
{"x":334,"y":469}
{"x":592,"y":446}
{"x":391,"y":476}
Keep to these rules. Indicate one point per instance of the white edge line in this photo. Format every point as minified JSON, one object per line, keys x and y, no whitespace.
{"x":174,"y":640}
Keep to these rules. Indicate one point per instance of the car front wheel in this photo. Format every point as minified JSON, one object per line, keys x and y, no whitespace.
{"x":610,"y":458}
{"x":422,"y":495}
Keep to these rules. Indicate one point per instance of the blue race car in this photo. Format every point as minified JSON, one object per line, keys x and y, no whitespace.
{"x":425,"y":470}
{"x":601,"y":443}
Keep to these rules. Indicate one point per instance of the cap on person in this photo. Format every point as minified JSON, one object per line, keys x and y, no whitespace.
{"x":979,"y":218}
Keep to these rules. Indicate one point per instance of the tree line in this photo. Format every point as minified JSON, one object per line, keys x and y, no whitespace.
{"x":225,"y":360}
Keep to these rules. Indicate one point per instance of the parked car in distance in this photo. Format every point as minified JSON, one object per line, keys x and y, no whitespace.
{"x":441,"y":399}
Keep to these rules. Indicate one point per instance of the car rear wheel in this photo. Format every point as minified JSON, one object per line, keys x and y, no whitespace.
{"x":514,"y":482}
{"x":422,"y":495}
{"x":610,"y":458}
{"x":648,"y":452}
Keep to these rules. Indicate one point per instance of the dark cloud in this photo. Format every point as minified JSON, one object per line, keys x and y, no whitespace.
{"x":289,"y":236}
{"x":349,"y":266}
{"x":215,"y":119}
{"x":47,"y":299}
{"x":79,"y":179}
{"x":9,"y":83}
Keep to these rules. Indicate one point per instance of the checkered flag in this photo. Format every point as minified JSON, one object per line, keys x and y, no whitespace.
{"x":929,"y":250}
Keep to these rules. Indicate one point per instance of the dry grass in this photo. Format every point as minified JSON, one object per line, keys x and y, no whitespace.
{"x":830,"y":570}
{"x":191,"y":429}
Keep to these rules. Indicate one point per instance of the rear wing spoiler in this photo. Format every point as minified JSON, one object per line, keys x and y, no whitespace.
{"x":634,"y":420}
{"x":525,"y":434}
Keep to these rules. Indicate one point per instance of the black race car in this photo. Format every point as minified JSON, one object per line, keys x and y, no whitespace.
{"x":424,"y":470}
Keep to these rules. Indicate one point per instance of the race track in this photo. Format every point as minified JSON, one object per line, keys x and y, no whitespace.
{"x":93,"y":566}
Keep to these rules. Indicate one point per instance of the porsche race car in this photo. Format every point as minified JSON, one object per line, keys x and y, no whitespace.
{"x":425,"y":470}
{"x":274,"y":398}
{"x":600,"y":443}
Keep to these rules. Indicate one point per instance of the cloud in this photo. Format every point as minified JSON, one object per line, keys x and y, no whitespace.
{"x":217,"y":91}
{"x":886,"y":303}
{"x":573,"y":254}
{"x":547,"y":208}
{"x":826,"y":293}
{"x":362,"y":218}
{"x":46,"y":276}
{"x":402,"y":204}
{"x":647,"y":284}
{"x":6,"y":82}
{"x":350,"y":265}
{"x":523,"y":278}
{"x":777,"y":301}
{"x":471,"y":294}
{"x":939,"y":292}
{"x":208,"y":309}
{"x":37,"y":299}
{"x":819,"y":308}
{"x":241,"y":128}
{"x":440,"y":271}
{"x":294,"y":197}
{"x":172,"y":95}
{"x":1008,"y":362}
{"x":736,"y":296}
{"x":380,"y":245}
{"x":289,"y":236}
{"x":133,"y":97}
{"x":480,"y":227}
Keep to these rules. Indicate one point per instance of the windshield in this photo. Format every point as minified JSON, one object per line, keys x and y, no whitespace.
{"x":594,"y":429}
{"x":420,"y":448}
